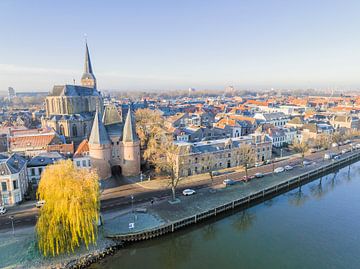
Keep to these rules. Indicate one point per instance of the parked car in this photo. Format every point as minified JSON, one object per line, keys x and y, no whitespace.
{"x":215,"y":173}
{"x":267,"y":161}
{"x":188,"y":192}
{"x":228,"y":182}
{"x":279,"y":170}
{"x":357,"y":146}
{"x":258,"y":164}
{"x":288,"y":167}
{"x":247,"y":178}
{"x":312,"y":150}
{"x":336,"y":157}
{"x":334,"y":145}
{"x":40,"y":203}
{"x":306,"y":162}
{"x":2,"y":210}
{"x":344,"y":151}
{"x":328,"y":156}
{"x":259,"y":175}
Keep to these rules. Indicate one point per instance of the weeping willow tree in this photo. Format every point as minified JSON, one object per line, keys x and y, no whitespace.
{"x":70,"y":214}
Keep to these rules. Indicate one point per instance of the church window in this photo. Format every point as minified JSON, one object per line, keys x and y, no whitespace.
{"x":74,"y":130}
{"x":62,"y":130}
{"x":85,"y":127}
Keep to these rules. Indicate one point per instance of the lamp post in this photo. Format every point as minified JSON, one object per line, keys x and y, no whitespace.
{"x":12,"y":224}
{"x":281,"y":153}
{"x":132,"y":203}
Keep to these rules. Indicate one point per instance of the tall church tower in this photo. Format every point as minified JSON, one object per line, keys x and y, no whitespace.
{"x":131,"y":148}
{"x":88,"y":78}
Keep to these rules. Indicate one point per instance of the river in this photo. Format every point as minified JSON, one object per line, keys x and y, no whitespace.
{"x":315,"y":226}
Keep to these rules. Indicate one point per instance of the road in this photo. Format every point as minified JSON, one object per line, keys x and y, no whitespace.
{"x":119,"y":198}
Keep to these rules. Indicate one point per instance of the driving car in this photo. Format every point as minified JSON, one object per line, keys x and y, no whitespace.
{"x":288,"y":167}
{"x":228,"y":182}
{"x":306,"y":162}
{"x":2,"y":210}
{"x":279,"y":170}
{"x":259,"y":175}
{"x":188,"y":192}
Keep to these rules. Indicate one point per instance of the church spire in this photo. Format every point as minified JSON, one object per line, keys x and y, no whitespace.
{"x":88,"y":67}
{"x":129,"y":133}
{"x":88,"y":78}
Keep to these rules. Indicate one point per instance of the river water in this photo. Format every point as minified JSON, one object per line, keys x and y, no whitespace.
{"x":315,"y":226}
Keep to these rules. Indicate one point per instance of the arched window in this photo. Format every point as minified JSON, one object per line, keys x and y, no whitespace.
{"x":62,"y":130}
{"x":86,"y":105}
{"x":74,"y":130}
{"x":84,"y":129}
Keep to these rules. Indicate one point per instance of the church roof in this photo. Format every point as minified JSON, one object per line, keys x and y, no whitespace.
{"x":129,"y":133}
{"x":111,"y":115}
{"x":73,"y":90}
{"x":98,"y":132}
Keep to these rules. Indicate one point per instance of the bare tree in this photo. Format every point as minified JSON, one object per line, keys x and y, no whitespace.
{"x":168,"y":163}
{"x":300,"y":147}
{"x":322,"y":141}
{"x":337,"y":138}
{"x":246,"y":156}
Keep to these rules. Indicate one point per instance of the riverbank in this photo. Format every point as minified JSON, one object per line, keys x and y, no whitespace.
{"x":318,"y":220}
{"x":19,"y":250}
{"x":209,"y":202}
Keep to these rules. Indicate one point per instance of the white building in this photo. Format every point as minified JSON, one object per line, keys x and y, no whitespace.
{"x":13,"y":179}
{"x":37,"y":164}
{"x":278,"y":119}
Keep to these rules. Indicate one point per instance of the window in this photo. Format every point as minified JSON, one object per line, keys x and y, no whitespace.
{"x":61,"y":129}
{"x":89,"y":164}
{"x":229,"y":155}
{"x":3,"y":186}
{"x":84,"y":163}
{"x":74,"y":130}
{"x":5,"y":199}
{"x":32,"y":171}
{"x":15,"y":185}
{"x":78,"y":163}
{"x":85,"y":129}
{"x":40,"y":170}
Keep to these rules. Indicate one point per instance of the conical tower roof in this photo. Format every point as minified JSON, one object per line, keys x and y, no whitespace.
{"x":98,"y":134}
{"x":129,"y":133}
{"x":88,"y":71}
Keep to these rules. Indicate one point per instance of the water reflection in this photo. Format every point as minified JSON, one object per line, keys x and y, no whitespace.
{"x":243,"y":220}
{"x":175,"y":251}
{"x":298,"y":197}
{"x":209,"y":232}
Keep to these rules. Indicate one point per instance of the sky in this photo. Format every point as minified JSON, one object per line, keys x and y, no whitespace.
{"x":172,"y":44}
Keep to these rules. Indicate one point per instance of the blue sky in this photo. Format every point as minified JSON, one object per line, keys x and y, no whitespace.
{"x":180,"y":44}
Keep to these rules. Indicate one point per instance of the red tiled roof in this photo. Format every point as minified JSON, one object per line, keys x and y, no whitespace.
{"x":83,"y":148}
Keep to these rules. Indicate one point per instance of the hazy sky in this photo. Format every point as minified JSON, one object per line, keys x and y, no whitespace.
{"x":178,"y":44}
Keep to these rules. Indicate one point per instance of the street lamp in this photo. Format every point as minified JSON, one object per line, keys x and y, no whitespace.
{"x":281,"y":153}
{"x":132,"y":203}
{"x":12,"y":224}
